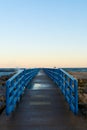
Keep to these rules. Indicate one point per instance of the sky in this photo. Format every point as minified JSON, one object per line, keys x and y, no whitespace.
{"x":43,"y":33}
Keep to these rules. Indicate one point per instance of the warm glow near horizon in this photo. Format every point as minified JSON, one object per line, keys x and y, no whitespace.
{"x":43,"y":33}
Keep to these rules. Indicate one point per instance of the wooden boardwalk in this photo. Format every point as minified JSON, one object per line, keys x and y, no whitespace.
{"x":42,"y":107}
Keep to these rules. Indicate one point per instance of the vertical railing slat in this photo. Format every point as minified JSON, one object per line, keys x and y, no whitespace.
{"x":67,"y":84}
{"x":15,"y":87}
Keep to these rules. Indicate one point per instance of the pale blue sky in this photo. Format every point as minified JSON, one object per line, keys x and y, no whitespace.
{"x":43,"y":33}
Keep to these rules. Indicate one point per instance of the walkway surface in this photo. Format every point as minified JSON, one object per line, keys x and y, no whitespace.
{"x":42,"y":107}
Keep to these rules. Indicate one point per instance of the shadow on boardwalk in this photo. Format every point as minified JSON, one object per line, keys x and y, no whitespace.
{"x":42,"y":107}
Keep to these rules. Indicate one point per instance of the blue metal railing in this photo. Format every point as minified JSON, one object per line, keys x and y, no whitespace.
{"x":68,"y":85}
{"x":15,"y":87}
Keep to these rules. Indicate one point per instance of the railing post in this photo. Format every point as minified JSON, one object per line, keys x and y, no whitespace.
{"x":70,"y":92}
{"x":76,"y":96}
{"x":7,"y":98}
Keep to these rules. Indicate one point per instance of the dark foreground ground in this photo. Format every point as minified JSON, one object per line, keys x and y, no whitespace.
{"x":42,"y":107}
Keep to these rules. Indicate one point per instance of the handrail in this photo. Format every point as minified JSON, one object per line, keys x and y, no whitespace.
{"x":68,"y":85}
{"x":15,"y":87}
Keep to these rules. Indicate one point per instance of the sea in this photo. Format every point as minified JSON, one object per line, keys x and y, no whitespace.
{"x":75,"y":69}
{"x":7,"y":71}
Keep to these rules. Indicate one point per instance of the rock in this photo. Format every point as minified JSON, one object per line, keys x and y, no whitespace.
{"x":2,"y":106}
{"x":83,"y":109}
{"x":85,"y":90}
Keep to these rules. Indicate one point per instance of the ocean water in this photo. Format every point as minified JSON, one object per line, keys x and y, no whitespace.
{"x":6,"y":71}
{"x":76,"y":69}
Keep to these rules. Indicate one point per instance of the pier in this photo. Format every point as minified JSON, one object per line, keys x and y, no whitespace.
{"x":42,"y":106}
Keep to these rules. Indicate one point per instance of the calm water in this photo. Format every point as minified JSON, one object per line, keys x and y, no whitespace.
{"x":76,"y":69}
{"x":6,"y":71}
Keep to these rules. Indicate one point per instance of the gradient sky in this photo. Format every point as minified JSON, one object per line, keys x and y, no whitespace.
{"x":43,"y":33}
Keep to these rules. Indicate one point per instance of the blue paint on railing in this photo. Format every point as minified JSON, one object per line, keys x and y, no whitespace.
{"x":68,"y":85}
{"x":15,"y":87}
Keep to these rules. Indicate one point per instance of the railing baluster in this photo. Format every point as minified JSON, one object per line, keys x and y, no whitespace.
{"x":15,"y":87}
{"x":68,"y":85}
